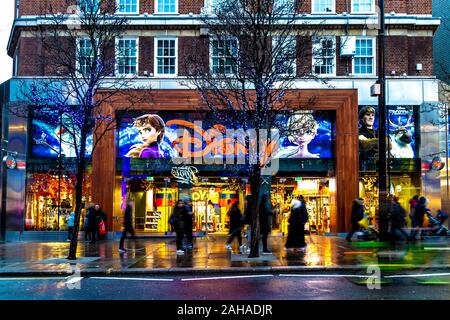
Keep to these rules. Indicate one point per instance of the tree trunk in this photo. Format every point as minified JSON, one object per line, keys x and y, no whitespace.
{"x":255,"y":185}
{"x":81,"y":166}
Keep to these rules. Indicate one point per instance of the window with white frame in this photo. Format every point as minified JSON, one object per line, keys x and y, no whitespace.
{"x":166,"y":56}
{"x":324,"y":56}
{"x":284,"y":52}
{"x":166,"y":6}
{"x":324,"y":6}
{"x":128,"y":6}
{"x":85,"y":56}
{"x":223,"y":56}
{"x":127,"y":56}
{"x":363,"y":6}
{"x":364,"y":61}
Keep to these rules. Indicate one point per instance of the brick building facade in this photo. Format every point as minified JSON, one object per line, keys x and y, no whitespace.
{"x":409,"y":70}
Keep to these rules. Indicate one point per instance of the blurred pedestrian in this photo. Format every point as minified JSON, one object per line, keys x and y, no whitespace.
{"x":418,"y":218}
{"x":412,"y":206}
{"x":177,"y":220}
{"x":357,"y":215}
{"x":296,"y":228}
{"x":188,"y":223}
{"x":265,"y":221}
{"x":71,"y":225}
{"x":236,"y":223}
{"x":101,"y":221}
{"x":127,"y":226}
{"x":86,"y":223}
{"x":397,"y":217}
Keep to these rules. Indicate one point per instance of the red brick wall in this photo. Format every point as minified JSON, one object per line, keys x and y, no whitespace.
{"x":420,"y":51}
{"x":146,"y":6}
{"x":187,"y":6}
{"x":397,"y":55}
{"x":29,"y":62}
{"x":304,"y":56}
{"x":146,"y":55}
{"x":34,"y":7}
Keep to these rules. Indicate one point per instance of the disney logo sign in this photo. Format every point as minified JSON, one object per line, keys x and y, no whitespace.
{"x":185,"y":174}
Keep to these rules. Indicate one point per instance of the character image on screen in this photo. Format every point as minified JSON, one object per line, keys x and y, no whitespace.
{"x":368,"y":135}
{"x":151,"y":129}
{"x":66,"y":133}
{"x":400,"y":139}
{"x":302,"y":130}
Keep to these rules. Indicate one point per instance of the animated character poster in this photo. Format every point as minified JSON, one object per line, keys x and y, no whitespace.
{"x":402,"y":144}
{"x":163,"y":135}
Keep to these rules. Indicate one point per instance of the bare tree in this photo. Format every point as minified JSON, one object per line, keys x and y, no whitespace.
{"x":259,"y":50}
{"x":78,"y":55}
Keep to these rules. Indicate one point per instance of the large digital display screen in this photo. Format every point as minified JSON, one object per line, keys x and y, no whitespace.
{"x":164,"y":135}
{"x":50,"y":135}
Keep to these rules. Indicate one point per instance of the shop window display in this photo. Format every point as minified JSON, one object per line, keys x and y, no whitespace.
{"x":44,"y":192}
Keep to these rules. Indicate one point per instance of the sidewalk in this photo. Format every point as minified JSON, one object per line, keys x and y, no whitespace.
{"x":158,"y":256}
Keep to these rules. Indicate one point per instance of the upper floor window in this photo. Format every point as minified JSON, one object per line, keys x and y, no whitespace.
{"x":166,"y":56}
{"x":127,"y":6}
{"x":215,"y":4}
{"x":284,"y":55}
{"x":364,"y":61}
{"x":363,"y":6}
{"x":324,"y":6}
{"x":324,"y":56}
{"x":224,"y":56}
{"x":284,"y":6}
{"x":166,"y":6}
{"x":127,"y":56}
{"x":85,"y":56}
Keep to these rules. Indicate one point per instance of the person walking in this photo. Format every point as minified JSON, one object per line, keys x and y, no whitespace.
{"x":127,"y":226}
{"x":86,"y":223}
{"x":71,"y":225}
{"x":412,"y":206}
{"x":101,"y":218}
{"x":265,"y":221}
{"x":296,"y":228}
{"x":418,"y":218}
{"x":357,"y":215}
{"x":397,"y":217}
{"x":177,"y":220}
{"x":93,"y":226}
{"x":188,"y":223}
{"x":235,"y":226}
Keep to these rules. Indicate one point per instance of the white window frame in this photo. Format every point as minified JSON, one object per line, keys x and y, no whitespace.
{"x":211,"y":54}
{"x":313,"y":6}
{"x":116,"y":49}
{"x":118,"y":8}
{"x":314,"y":57}
{"x":78,"y":67}
{"x":294,"y":72}
{"x":363,"y":12}
{"x":157,"y":8}
{"x":155,"y":60}
{"x":374,"y":44}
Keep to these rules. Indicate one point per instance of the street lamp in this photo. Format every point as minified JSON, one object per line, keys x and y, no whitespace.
{"x":382,"y":143}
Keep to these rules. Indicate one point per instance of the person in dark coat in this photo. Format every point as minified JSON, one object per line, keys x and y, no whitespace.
{"x":265,"y":221}
{"x":419,"y":215}
{"x":188,"y":222}
{"x":296,"y":229}
{"x":100,"y":216}
{"x":357,"y":215}
{"x":93,"y":223}
{"x":236,"y":223}
{"x":127,"y":226}
{"x":177,"y":221}
{"x":397,"y":217}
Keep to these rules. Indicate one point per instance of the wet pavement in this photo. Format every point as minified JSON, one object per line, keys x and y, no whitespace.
{"x":210,"y":255}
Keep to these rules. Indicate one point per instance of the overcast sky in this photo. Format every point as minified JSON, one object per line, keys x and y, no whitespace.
{"x":6,"y":20}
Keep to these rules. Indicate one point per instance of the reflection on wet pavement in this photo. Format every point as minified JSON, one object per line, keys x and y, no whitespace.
{"x":210,"y":252}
